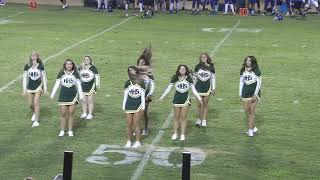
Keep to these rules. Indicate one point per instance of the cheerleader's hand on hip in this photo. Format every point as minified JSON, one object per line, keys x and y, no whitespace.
{"x":254,"y":99}
{"x":213,"y":92}
{"x":24,"y":93}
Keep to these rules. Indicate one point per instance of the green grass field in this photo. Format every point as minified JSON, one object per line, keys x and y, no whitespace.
{"x":287,"y":146}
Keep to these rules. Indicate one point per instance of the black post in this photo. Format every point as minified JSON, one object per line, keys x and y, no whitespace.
{"x":67,"y":165}
{"x":186,"y":158}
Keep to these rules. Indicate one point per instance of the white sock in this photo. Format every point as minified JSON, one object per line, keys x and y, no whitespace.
{"x":106,"y":4}
{"x":127,"y":7}
{"x":216,"y":7}
{"x":177,"y":6}
{"x":226,"y":8}
{"x":99,"y":4}
{"x":171,"y":6}
{"x":140,"y":6}
{"x":232,"y":8}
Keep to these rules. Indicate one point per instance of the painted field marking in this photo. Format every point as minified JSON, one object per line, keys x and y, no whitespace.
{"x":240,"y":30}
{"x":5,"y":20}
{"x":67,"y":49}
{"x":160,"y":156}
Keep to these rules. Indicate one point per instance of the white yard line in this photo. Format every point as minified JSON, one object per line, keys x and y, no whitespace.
{"x":138,"y":172}
{"x":3,"y":88}
{"x":14,"y":15}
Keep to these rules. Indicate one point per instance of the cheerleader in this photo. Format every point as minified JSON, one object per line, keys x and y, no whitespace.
{"x":133,"y":104}
{"x":205,"y":85}
{"x":249,"y":90}
{"x":34,"y":84}
{"x":90,"y":82}
{"x":69,"y":80}
{"x":144,"y":65}
{"x":182,"y":82}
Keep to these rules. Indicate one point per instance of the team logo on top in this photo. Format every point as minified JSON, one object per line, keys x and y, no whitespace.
{"x":182,"y":86}
{"x":34,"y":74}
{"x":203,"y":75}
{"x":134,"y":91}
{"x":68,"y":80}
{"x":249,"y":77}
{"x":86,"y":75}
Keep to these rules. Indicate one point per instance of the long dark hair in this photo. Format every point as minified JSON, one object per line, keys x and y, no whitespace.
{"x":38,"y":58}
{"x":81,"y":67}
{"x":209,"y":61}
{"x":178,"y":73}
{"x":138,"y":79}
{"x":89,"y":58}
{"x":73,"y":65}
{"x":254,"y":62}
{"x":146,"y":56}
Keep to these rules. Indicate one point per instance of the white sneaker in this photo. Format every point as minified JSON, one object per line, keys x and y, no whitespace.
{"x":35,"y":124}
{"x":204,"y":123}
{"x":174,"y":136}
{"x":83,"y":116}
{"x":70,"y":133}
{"x":61,"y":133}
{"x":89,"y":117}
{"x":33,"y":118}
{"x":137,"y":144}
{"x":198,"y":122}
{"x":128,"y":145}
{"x":255,"y":129}
{"x":250,"y":133}
{"x":183,"y":137}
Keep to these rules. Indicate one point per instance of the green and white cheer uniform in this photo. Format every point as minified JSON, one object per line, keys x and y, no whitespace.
{"x":34,"y":78}
{"x":250,"y":84}
{"x":134,"y":97}
{"x":205,"y":79}
{"x":182,"y":86}
{"x":70,"y":87}
{"x":90,"y":79}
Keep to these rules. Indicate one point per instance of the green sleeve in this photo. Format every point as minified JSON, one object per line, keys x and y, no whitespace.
{"x":212,"y":68}
{"x":76,"y":74}
{"x":174,"y":79}
{"x":26,"y":67}
{"x":60,"y":74}
{"x":94,"y":69}
{"x":241,"y":71}
{"x":126,"y":85}
{"x":143,"y":86}
{"x":197,"y":68}
{"x":189,"y":79}
{"x":257,"y":72}
{"x":41,"y":67}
